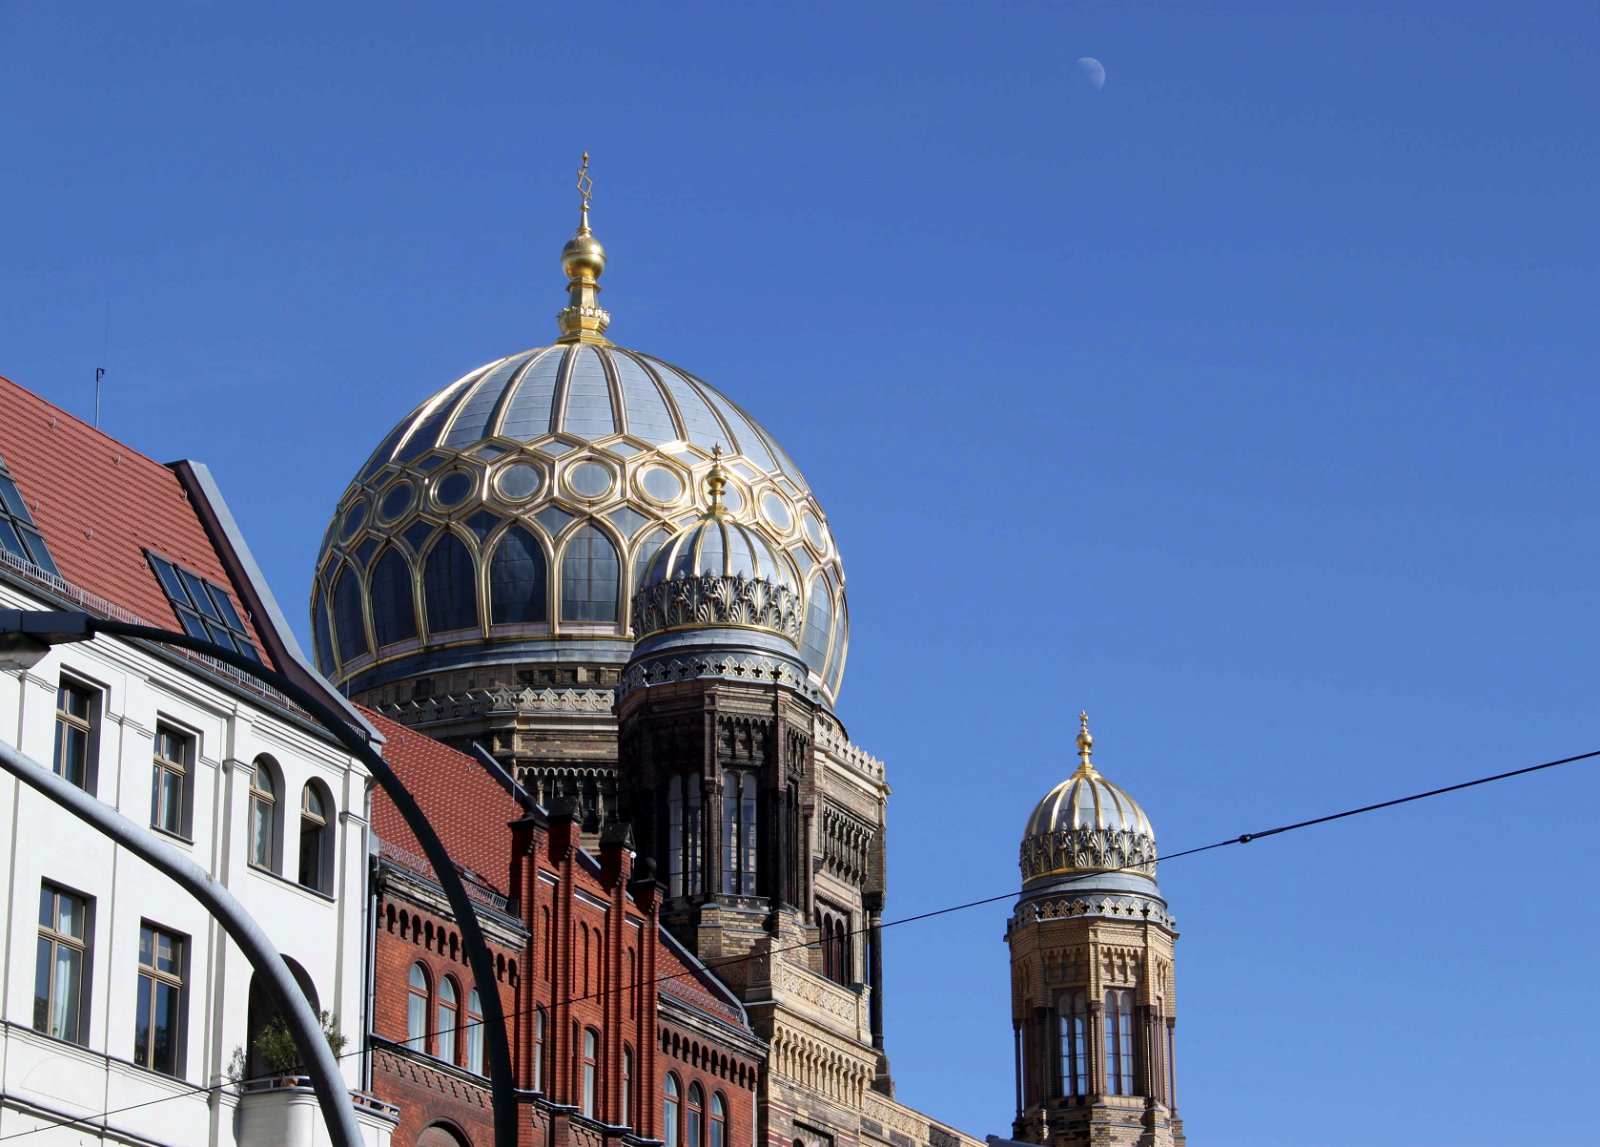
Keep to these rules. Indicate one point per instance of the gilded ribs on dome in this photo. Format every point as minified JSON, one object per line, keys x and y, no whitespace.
{"x":556,"y":474}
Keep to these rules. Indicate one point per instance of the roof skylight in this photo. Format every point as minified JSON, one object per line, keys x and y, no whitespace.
{"x":204,"y":608}
{"x":18,"y":535}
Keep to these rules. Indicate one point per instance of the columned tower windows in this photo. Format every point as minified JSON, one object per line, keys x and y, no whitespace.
{"x":739,"y":833}
{"x":1119,"y":1041}
{"x":684,"y":835}
{"x":1072,"y":1009}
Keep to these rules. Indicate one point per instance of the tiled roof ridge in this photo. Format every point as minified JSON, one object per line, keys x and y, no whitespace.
{"x":89,"y":427}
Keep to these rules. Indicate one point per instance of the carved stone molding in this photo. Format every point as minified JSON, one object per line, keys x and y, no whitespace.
{"x":709,"y":599}
{"x":424,"y":710}
{"x":735,"y":667}
{"x":1120,"y":907}
{"x":1088,"y":849}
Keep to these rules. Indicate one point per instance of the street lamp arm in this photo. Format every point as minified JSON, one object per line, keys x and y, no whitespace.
{"x":258,"y":948}
{"x":502,"y":1085}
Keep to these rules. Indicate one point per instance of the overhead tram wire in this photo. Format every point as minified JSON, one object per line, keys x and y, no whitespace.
{"x":1242,"y":838}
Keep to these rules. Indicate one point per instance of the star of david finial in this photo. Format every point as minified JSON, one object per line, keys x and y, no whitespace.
{"x":585,"y":187}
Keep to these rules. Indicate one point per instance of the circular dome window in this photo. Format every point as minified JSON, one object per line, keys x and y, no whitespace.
{"x":453,"y":488}
{"x":397,"y":501}
{"x":589,"y":480}
{"x":519,"y":481}
{"x":354,"y":518}
{"x":777,"y":513}
{"x":660,"y":484}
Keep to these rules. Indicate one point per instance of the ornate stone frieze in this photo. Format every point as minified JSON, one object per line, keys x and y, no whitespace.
{"x":708,"y":599}
{"x":1125,"y":907}
{"x":830,"y":739}
{"x":1086,"y":850}
{"x":735,"y":667}
{"x":846,"y":844}
{"x":474,"y":701}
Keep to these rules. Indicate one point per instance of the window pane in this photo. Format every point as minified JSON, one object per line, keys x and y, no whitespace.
{"x":519,"y":579}
{"x":590,"y":571}
{"x":450,"y":586}
{"x":394,"y":614}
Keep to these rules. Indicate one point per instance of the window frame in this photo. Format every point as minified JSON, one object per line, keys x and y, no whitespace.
{"x":151,"y":978}
{"x":47,"y":962}
{"x":182,"y":768}
{"x":87,"y":727}
{"x":741,"y":841}
{"x":1121,"y":1043}
{"x":694,"y":1115}
{"x":717,"y":1120}
{"x":671,"y":1110}
{"x":1072,"y":1043}
{"x":204,"y":609}
{"x":419,"y":1007}
{"x":541,"y":1025}
{"x":589,"y":1072}
{"x":270,"y":801}
{"x":446,"y":1019}
{"x":320,"y":829}
{"x":472,"y":1031}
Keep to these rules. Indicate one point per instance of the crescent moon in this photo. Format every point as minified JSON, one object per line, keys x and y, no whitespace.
{"x":1094,"y":70}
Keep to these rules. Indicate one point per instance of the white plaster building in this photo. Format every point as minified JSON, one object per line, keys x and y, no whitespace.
{"x":124,"y":1007}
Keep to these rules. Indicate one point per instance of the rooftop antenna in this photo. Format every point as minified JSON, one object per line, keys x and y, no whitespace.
{"x":100,"y":371}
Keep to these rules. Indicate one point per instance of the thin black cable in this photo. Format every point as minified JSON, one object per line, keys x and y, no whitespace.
{"x":1243,"y":838}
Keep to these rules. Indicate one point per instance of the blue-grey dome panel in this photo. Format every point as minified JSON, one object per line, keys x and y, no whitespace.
{"x":528,"y":407}
{"x":588,"y":411}
{"x":647,"y":413}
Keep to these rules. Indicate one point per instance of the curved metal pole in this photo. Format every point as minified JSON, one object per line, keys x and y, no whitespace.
{"x":502,"y":1085}
{"x":262,"y":953}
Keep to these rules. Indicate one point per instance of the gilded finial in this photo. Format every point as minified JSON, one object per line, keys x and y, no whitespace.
{"x":716,"y":483}
{"x":1085,"y":743}
{"x":585,"y":191}
{"x":584,"y":260}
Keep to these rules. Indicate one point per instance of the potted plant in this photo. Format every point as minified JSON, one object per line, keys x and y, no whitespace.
{"x":279,"y":1055}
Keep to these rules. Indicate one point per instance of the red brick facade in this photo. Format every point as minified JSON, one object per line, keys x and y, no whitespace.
{"x":600,"y":1004}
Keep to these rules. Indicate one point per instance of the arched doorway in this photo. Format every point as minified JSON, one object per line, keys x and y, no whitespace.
{"x":262,"y":1011}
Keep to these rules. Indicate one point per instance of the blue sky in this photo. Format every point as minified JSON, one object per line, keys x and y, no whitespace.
{"x":1245,"y":402}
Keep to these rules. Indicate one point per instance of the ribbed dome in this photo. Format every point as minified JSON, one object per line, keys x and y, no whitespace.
{"x":511,"y":516}
{"x":1087,"y":824}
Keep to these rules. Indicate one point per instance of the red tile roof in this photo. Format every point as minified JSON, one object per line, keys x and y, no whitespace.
{"x":100,"y":503}
{"x":468,"y":810}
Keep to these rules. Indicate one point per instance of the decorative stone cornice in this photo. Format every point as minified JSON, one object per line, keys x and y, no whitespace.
{"x":425,"y":710}
{"x":1122,"y":907}
{"x":710,"y":600}
{"x":1088,"y":850}
{"x":755,"y":667}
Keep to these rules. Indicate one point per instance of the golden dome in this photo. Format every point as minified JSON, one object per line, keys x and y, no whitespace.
{"x":1087,"y":824}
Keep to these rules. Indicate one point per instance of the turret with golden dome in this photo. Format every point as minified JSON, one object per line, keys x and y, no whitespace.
{"x":1093,"y":972}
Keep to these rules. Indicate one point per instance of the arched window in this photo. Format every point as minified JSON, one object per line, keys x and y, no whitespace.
{"x":417,"y":1009}
{"x":818,"y":633}
{"x":450,"y":585}
{"x":590,"y":1069}
{"x":538,"y":1049}
{"x":648,"y":547}
{"x":264,"y":815}
{"x":590,"y":571}
{"x":446,"y":1020}
{"x":683,"y":835}
{"x":394,"y":612}
{"x":1072,"y":1010}
{"x":669,"y":1111}
{"x":694,"y":1117}
{"x":1119,"y":1041}
{"x":626,"y":1115}
{"x":719,"y":1120}
{"x":316,"y":838}
{"x":473,"y":1030}
{"x":519,"y":579}
{"x":348,"y":624}
{"x":739,"y":833}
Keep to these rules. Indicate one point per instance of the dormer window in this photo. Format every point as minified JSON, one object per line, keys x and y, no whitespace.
{"x":19,"y":537}
{"x":205,"y":608}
